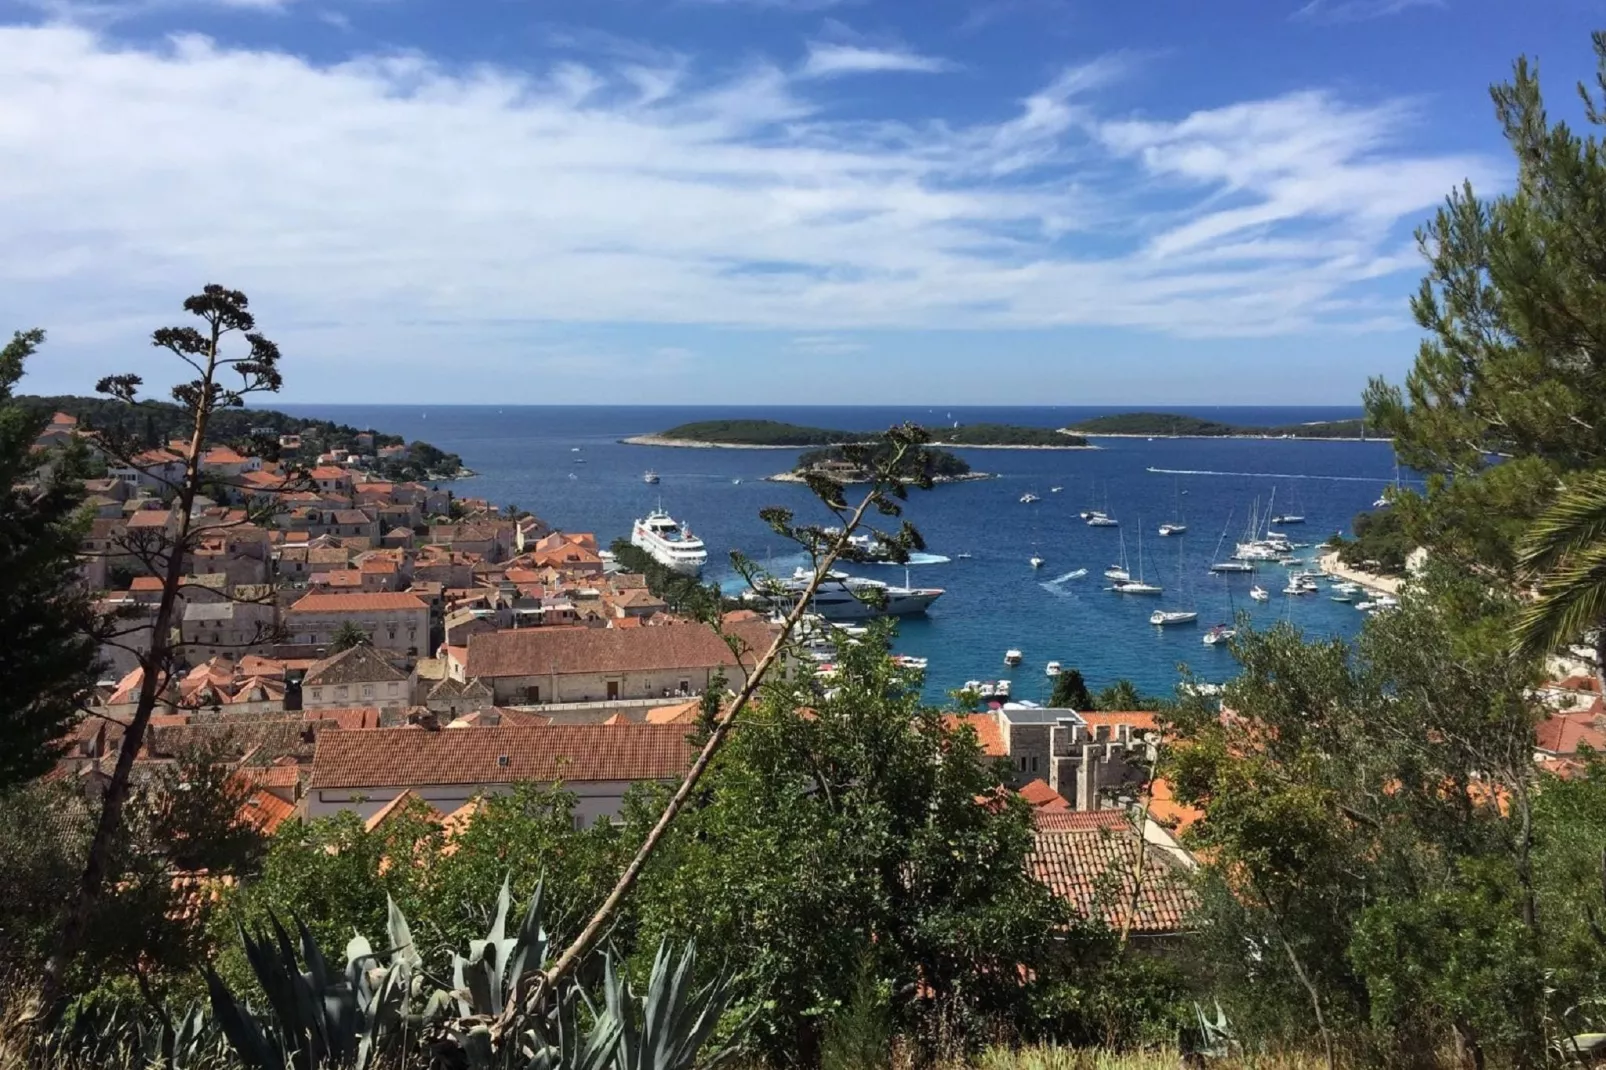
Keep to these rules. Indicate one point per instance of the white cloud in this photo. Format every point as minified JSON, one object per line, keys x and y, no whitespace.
{"x":1330,"y":11}
{"x":390,"y":209}
{"x":828,"y":60}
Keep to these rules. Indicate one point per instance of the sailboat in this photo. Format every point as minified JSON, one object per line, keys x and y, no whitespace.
{"x":1120,"y":573}
{"x":1233,"y":565}
{"x":1163,"y":617}
{"x":1383,"y":501}
{"x":1101,"y":518}
{"x":1296,"y":517}
{"x":1137,"y":586}
{"x":1177,"y":526}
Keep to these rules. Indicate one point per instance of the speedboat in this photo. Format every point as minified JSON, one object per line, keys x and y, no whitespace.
{"x":1288,"y":518}
{"x":1219,"y":634}
{"x":1173,"y":529}
{"x":737,"y":481}
{"x":1028,"y":498}
{"x":1053,"y":668}
{"x":962,"y":556}
{"x":1259,"y":593}
{"x":1055,"y":490}
{"x":906,"y":661}
{"x":649,"y":476}
{"x":1381,"y":503}
{"x":1342,"y":596}
{"x":669,"y":543}
{"x":839,"y":596}
{"x":573,"y":476}
{"x":1097,"y":519}
{"x":1012,"y":657}
{"x":1295,"y":587}
{"x":1037,"y":562}
{"x":1001,"y":690}
{"x":1172,"y":616}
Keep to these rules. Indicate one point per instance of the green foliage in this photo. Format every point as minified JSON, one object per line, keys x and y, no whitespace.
{"x":1566,"y":547}
{"x":846,"y":832}
{"x":938,"y":464}
{"x":1124,"y":695}
{"x":1381,"y":543}
{"x":859,"y":1036}
{"x":1070,"y":691}
{"x":758,"y":433}
{"x":347,"y":636}
{"x":1174,"y":424}
{"x":48,"y":656}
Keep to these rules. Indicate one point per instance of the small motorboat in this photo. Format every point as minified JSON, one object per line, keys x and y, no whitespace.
{"x":906,"y":661}
{"x":649,"y":476}
{"x":1259,"y":593}
{"x":1028,"y":498}
{"x":1055,"y":490}
{"x":1012,"y":658}
{"x":1037,"y":562}
{"x":1116,"y":572}
{"x":1100,"y":520}
{"x":1053,"y":668}
{"x":1173,"y":529}
{"x":1219,"y":634}
{"x":1163,"y":617}
{"x":962,"y":557}
{"x":737,"y":481}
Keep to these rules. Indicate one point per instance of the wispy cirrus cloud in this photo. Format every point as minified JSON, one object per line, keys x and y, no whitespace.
{"x":829,"y":60}
{"x":1330,"y":11}
{"x":388,"y":205}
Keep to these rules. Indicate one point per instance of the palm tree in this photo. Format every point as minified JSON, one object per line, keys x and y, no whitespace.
{"x":347,"y":636}
{"x":1565,"y":552}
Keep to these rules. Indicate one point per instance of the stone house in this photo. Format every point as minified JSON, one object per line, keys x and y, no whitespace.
{"x":358,"y":676}
{"x":396,"y":622}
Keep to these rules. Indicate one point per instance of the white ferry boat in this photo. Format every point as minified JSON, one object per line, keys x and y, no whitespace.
{"x":669,"y":543}
{"x":838,"y":597}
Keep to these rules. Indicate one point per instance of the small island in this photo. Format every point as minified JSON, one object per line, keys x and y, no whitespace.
{"x":944,"y":467}
{"x":776,"y":434}
{"x":1176,"y":425}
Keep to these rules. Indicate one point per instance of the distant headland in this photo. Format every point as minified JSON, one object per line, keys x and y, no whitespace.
{"x":776,"y":435}
{"x":1175,"y":425}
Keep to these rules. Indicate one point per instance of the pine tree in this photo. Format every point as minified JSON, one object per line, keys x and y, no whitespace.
{"x":1070,"y":692}
{"x":47,"y":658}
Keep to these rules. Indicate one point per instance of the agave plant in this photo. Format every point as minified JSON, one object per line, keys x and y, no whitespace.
{"x":675,"y":1018}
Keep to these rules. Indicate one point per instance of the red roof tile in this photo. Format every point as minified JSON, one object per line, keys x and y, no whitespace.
{"x":338,"y":603}
{"x":1040,"y":795}
{"x":390,"y":757}
{"x":1087,"y":859}
{"x":985,"y":725}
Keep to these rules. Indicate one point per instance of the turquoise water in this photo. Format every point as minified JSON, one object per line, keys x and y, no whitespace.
{"x":994,"y":600}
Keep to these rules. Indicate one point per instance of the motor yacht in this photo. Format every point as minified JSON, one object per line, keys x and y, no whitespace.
{"x":669,"y":543}
{"x":1037,"y":562}
{"x":1028,"y":498}
{"x":844,"y":597}
{"x":1012,"y":657}
{"x":1173,"y":529}
{"x":1097,"y":519}
{"x":1052,"y":669}
{"x":649,"y":476}
{"x":1219,"y":634}
{"x":1259,"y":593}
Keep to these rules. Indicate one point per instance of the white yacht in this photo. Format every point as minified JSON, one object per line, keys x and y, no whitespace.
{"x":1055,"y":490}
{"x":1259,"y":593}
{"x":1097,"y":519}
{"x":1028,"y":498}
{"x":1037,"y":562}
{"x":1053,"y":668}
{"x":1219,"y":634}
{"x":1118,"y":573}
{"x":838,"y":596}
{"x":649,"y":476}
{"x":1172,"y":616}
{"x":1136,"y":587}
{"x":669,"y":543}
{"x":1173,"y":529}
{"x":1232,"y":566}
{"x":1012,"y":657}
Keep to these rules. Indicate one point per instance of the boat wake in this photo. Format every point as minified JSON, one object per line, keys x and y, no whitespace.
{"x":1272,"y":475}
{"x":1078,"y":574}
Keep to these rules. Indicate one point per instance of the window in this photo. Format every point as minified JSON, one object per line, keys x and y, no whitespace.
{"x":1023,"y":763}
{"x":368,"y":692}
{"x":685,"y":687}
{"x":1034,"y":763}
{"x":317,"y":692}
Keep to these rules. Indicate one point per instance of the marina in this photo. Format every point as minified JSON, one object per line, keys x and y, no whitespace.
{"x":979,"y":540}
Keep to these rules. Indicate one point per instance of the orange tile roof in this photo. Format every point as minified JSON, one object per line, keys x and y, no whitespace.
{"x":145,"y":583}
{"x":266,"y":811}
{"x":384,"y":813}
{"x":348,"y":718}
{"x":1564,"y":733}
{"x":1086,"y":858}
{"x":682,"y":713}
{"x":1143,"y":720}
{"x":391,"y":757}
{"x":538,"y":651}
{"x":327,"y":471}
{"x":1040,"y":795}
{"x":337,"y":603}
{"x":985,"y":725}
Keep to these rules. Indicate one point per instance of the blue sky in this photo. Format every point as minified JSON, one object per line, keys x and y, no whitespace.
{"x":777,"y":201}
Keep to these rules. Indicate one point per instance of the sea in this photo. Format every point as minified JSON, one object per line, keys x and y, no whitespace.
{"x":567,"y":464}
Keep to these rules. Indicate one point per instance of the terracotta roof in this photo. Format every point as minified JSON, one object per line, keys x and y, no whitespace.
{"x":145,"y":583}
{"x":403,"y":757}
{"x":1143,"y":720}
{"x":384,"y":813}
{"x":538,"y":651}
{"x":985,"y":725}
{"x":337,"y":603}
{"x":349,"y":718}
{"x":266,"y":811}
{"x":617,"y":719}
{"x":149,"y":518}
{"x":1563,"y":733}
{"x":1086,"y":858}
{"x":325,"y":471}
{"x":1040,"y":795}
{"x":358,"y":664}
{"x":683,"y":713}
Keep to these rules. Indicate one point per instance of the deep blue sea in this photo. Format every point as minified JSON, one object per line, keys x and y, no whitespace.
{"x":995,"y":600}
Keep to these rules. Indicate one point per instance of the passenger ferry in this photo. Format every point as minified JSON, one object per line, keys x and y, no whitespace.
{"x":669,"y":543}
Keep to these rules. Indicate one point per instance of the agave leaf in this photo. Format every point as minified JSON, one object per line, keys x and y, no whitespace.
{"x":239,"y":1027}
{"x":401,"y":936}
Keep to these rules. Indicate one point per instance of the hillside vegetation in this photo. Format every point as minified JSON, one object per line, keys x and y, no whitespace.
{"x":1176,"y":424}
{"x":779,"y":433}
